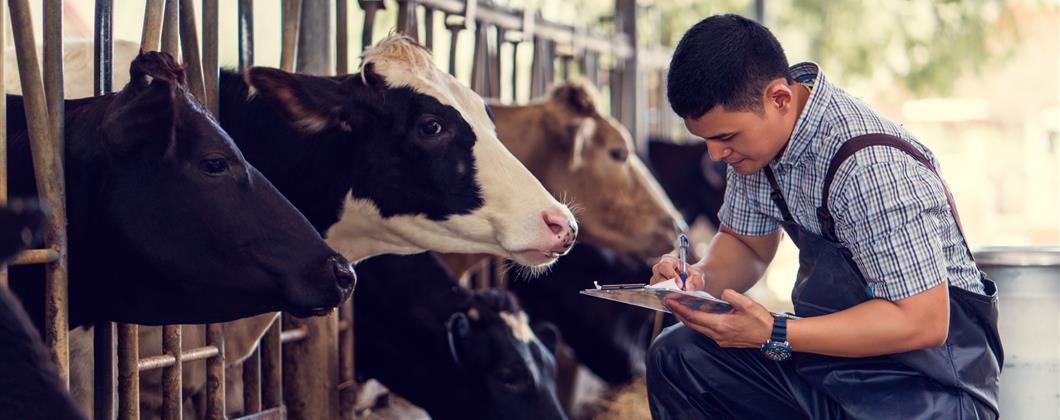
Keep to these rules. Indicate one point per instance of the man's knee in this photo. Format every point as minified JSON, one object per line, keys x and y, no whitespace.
{"x":669,"y":352}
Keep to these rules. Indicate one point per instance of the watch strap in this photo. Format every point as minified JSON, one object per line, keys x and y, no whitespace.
{"x":780,"y":329}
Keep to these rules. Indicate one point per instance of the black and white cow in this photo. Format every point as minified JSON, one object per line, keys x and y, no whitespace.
{"x":607,"y":337}
{"x":30,"y":387}
{"x":695,"y":184}
{"x":167,"y":222}
{"x":458,"y":354}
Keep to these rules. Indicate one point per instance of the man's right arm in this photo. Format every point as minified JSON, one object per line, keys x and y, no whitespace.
{"x":732,"y":261}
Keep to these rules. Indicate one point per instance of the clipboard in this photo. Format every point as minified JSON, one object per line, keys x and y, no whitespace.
{"x":651,"y":297}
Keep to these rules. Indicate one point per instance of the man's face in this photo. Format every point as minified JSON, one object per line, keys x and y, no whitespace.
{"x":748,"y":140}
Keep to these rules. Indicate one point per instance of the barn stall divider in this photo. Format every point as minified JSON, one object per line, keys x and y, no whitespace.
{"x":302,"y":368}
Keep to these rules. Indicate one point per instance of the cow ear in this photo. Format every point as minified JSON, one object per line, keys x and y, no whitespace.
{"x":310,"y":103}
{"x":457,"y":329}
{"x":548,"y":334}
{"x":20,"y":224}
{"x":142,"y":117}
{"x":576,"y":97}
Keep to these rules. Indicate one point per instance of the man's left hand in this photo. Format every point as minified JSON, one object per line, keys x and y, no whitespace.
{"x":748,"y":326}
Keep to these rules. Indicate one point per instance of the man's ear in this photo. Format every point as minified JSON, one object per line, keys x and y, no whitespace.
{"x":311,"y":103}
{"x":779,"y":95}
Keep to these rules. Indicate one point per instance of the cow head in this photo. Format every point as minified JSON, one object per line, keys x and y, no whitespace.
{"x":582,"y":155}
{"x":198,"y":234}
{"x":20,"y":224}
{"x":512,"y":365}
{"x":426,"y":168}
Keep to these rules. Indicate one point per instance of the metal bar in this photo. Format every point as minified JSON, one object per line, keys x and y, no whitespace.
{"x":246,"y":34}
{"x":215,"y":373}
{"x":209,"y":54}
{"x":104,"y":45}
{"x":3,"y":130}
{"x":480,"y":67}
{"x":294,"y":334}
{"x":186,"y":356}
{"x":150,"y":37}
{"x":310,"y":374}
{"x":515,"y":70}
{"x":370,"y":8}
{"x":428,"y":28}
{"x":172,"y":397}
{"x":56,"y":315}
{"x":278,"y":413}
{"x":292,"y":16}
{"x":252,"y":381}
{"x":47,"y":163}
{"x":104,"y":384}
{"x":189,"y":43}
{"x":128,"y":373}
{"x":314,"y":38}
{"x":342,"y":41}
{"x":271,"y":368}
{"x":34,"y":256}
{"x":509,"y":18}
{"x":454,"y":40}
{"x":406,"y":20}
{"x":495,"y":62}
{"x":171,"y":29}
{"x":347,"y":394}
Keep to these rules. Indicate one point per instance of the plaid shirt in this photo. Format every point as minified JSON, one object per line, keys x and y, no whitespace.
{"x":890,"y":211}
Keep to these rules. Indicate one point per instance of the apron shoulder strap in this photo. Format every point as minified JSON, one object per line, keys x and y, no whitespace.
{"x":775,"y":195}
{"x":853,"y":146}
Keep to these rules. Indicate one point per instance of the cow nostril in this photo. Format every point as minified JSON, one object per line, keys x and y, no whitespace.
{"x":555,"y":222}
{"x":344,"y":274}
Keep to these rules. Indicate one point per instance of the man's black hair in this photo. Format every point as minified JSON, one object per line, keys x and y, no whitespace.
{"x":726,"y":60}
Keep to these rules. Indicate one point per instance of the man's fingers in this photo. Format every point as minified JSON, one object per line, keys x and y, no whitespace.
{"x":737,"y":299}
{"x":664,"y":270}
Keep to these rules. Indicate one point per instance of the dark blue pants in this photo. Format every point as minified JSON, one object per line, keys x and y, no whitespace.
{"x":691,"y":377}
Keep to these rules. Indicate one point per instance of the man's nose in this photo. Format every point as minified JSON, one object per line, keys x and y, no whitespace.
{"x":717,"y":151}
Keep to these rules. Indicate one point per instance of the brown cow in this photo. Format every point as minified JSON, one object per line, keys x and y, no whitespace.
{"x":587,"y":159}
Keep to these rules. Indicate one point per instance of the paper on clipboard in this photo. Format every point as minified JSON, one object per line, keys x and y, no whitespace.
{"x":651,"y":297}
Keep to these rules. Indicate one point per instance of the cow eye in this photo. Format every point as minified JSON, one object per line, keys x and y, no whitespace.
{"x":619,"y":155}
{"x":215,"y":166}
{"x":514,"y":380}
{"x":430,"y":128}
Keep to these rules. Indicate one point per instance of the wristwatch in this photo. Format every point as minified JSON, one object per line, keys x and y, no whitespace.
{"x":777,"y":348}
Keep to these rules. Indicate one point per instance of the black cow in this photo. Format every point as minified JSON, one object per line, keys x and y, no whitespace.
{"x":30,"y":387}
{"x":694,"y":183}
{"x":458,"y":354}
{"x":607,"y":337}
{"x":167,"y":222}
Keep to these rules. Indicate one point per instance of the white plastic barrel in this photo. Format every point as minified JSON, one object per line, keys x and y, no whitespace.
{"x":1028,"y":283}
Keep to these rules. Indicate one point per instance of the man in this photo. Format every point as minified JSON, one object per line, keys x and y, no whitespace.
{"x":895,"y":319}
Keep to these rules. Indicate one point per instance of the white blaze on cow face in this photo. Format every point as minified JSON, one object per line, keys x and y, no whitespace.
{"x":519,"y":219}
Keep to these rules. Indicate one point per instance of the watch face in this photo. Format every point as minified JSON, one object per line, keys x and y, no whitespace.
{"x":777,"y":351}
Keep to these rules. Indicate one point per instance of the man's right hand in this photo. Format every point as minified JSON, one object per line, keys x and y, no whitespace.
{"x":667,"y":268}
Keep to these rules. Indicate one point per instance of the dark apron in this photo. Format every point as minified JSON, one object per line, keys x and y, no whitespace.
{"x":956,"y":380}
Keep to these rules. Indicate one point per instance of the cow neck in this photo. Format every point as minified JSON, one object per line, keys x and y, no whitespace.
{"x":313,"y":171}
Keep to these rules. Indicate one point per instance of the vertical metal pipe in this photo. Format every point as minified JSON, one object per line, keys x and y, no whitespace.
{"x":171,"y":28}
{"x":370,"y":8}
{"x":128,"y":372}
{"x":103,"y":40}
{"x":428,"y":28}
{"x":271,"y":367}
{"x":56,"y":305}
{"x":47,"y":163}
{"x":406,"y":23}
{"x":342,"y":44}
{"x":3,"y":131}
{"x":104,"y":384}
{"x":252,"y":382}
{"x":515,"y":71}
{"x":172,"y":398}
{"x":347,"y":382}
{"x":149,"y":38}
{"x":480,"y":67}
{"x":310,"y":369}
{"x":246,"y":34}
{"x":314,"y":38}
{"x":292,"y":16}
{"x":209,"y":54}
{"x":454,"y":40}
{"x":189,"y":42}
{"x":495,"y":62}
{"x":215,"y":373}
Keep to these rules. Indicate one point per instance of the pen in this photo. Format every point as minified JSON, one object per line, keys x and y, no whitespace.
{"x":682,"y":254}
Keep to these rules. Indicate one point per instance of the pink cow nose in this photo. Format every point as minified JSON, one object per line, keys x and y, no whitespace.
{"x":561,"y":226}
